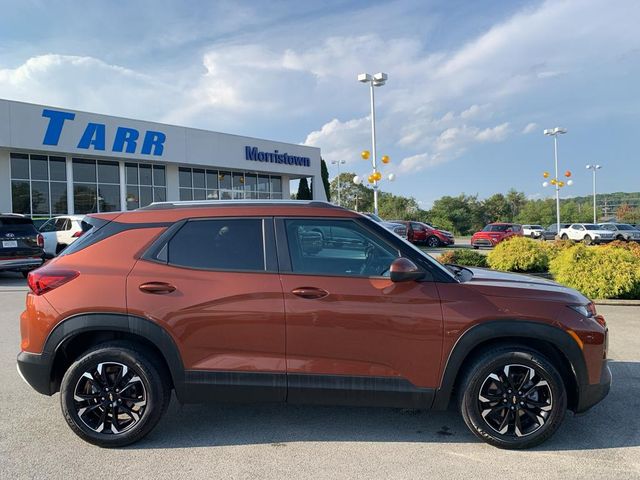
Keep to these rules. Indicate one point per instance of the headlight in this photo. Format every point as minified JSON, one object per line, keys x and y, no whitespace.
{"x":588,"y":310}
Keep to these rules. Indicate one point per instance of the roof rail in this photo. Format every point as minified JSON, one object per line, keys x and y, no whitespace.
{"x":236,"y":203}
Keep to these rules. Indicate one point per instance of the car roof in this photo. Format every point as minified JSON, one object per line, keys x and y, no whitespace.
{"x":174,"y":211}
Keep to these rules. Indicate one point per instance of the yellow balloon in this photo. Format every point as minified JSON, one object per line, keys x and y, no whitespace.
{"x":545,"y":174}
{"x":553,"y":181}
{"x":371,"y":179}
{"x":385,"y":159}
{"x":377,"y":176}
{"x":365,"y":154}
{"x":561,"y":184}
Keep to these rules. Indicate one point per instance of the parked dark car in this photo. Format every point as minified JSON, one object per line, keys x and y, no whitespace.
{"x":551,"y":232}
{"x":21,"y":245}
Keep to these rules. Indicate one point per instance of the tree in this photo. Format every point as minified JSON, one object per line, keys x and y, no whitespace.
{"x":352,"y":196}
{"x":324,"y":173}
{"x":516,"y":201}
{"x":462,"y":214}
{"x":496,"y":208}
{"x":304,"y":193}
{"x":396,"y":207}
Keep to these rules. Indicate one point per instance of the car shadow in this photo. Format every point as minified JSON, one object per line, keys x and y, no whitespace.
{"x":12,"y":281}
{"x":604,"y":426}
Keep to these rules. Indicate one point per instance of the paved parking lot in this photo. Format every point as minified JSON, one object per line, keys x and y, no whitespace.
{"x":273,"y":441}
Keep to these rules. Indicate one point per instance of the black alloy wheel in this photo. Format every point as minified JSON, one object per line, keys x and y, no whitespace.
{"x":114,"y":394}
{"x":513,"y":398}
{"x":433,"y":241}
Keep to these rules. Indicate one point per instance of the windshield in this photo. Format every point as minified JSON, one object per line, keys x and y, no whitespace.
{"x":591,"y":226}
{"x":536,"y":227}
{"x":496,"y":228}
{"x":624,"y":226}
{"x":375,"y":217}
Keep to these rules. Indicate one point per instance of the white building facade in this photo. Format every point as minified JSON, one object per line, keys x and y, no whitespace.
{"x":56,"y":161}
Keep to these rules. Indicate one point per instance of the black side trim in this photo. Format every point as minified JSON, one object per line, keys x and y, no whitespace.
{"x":204,"y":386}
{"x":512,"y":329}
{"x":592,"y":394}
{"x":357,"y":391}
{"x":35,"y":369}
{"x":110,"y":322}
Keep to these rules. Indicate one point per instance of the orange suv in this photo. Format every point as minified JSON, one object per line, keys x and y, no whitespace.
{"x":303,"y":303}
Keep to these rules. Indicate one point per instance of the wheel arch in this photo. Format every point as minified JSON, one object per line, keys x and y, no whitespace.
{"x":75,"y":335}
{"x":553,"y":342}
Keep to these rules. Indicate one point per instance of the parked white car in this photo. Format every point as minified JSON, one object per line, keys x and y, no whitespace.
{"x":532,"y":231}
{"x":586,"y":232}
{"x":58,"y":232}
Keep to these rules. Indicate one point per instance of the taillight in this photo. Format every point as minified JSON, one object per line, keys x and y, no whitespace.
{"x":77,"y":234}
{"x":40,"y":240}
{"x":44,"y":280}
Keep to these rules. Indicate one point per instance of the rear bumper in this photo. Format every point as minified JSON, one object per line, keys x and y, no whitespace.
{"x":35,"y":369}
{"x":589,"y":395}
{"x":22,"y":263}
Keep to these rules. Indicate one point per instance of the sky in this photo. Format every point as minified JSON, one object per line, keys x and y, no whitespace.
{"x":472,"y":84}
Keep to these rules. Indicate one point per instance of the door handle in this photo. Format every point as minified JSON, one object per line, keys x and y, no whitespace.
{"x":158,"y":288}
{"x":310,"y":292}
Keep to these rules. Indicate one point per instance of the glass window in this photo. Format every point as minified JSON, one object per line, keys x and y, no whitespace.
{"x":221,"y":244}
{"x":159,"y":179}
{"x":21,"y":197}
{"x":146,"y":177}
{"x":159,"y":194}
{"x":276,"y":185}
{"x":20,"y":166}
{"x":48,"y":226}
{"x":186,"y":194}
{"x":145,"y":184}
{"x":212,"y":180}
{"x":84,"y":171}
{"x":337,"y":247}
{"x":109,"y":198}
{"x":251,"y":185}
{"x":131,"y":173}
{"x":39,"y":167}
{"x":146,"y":195}
{"x":58,"y":169}
{"x":185,"y":177}
{"x":198,"y":178}
{"x":225,"y":180}
{"x":108,"y":172}
{"x":133,"y":197}
{"x":58,"y":198}
{"x":85,"y":198}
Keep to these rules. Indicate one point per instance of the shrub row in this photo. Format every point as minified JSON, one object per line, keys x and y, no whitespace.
{"x":611,"y":271}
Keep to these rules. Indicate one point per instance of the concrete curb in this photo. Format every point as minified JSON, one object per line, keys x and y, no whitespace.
{"x":618,"y":302}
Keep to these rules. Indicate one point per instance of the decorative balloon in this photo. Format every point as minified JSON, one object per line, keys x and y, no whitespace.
{"x":545,"y":184}
{"x":561,"y":184}
{"x":365,"y":154}
{"x":545,"y":174}
{"x":567,"y":174}
{"x":392,"y":177}
{"x":385,"y":159}
{"x":357,"y":180}
{"x":569,"y":182}
{"x":371,"y":179}
{"x":377,"y":176}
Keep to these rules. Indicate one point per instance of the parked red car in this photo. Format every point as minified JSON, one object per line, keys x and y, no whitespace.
{"x":425,"y":234}
{"x":494,"y":233}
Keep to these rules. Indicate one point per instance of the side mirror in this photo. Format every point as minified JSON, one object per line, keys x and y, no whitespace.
{"x":404,"y":270}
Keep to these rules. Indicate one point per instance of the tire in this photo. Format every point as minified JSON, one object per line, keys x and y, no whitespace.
{"x":564,"y":236}
{"x":621,"y":238}
{"x":59,"y":248}
{"x":587,"y":240}
{"x":147,"y":396}
{"x":516,"y":362}
{"x":433,"y":242}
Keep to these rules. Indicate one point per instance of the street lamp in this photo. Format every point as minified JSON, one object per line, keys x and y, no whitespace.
{"x":338,"y":162}
{"x":554,"y":132}
{"x":594,"y":168}
{"x":377,"y":80}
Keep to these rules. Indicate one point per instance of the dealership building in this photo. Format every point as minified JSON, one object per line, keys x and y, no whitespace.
{"x":56,"y":161}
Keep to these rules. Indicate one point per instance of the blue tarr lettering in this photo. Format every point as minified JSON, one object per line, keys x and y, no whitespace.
{"x":56,"y":122}
{"x":155,"y":140}
{"x":128,"y":136}
{"x":93,"y":135}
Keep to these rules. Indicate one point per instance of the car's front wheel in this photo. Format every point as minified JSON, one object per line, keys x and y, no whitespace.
{"x":587,"y":240}
{"x":513,"y":398}
{"x":564,"y":236}
{"x":433,"y":242}
{"x":113,"y":395}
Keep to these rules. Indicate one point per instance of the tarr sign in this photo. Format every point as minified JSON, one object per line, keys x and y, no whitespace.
{"x":94,"y":136}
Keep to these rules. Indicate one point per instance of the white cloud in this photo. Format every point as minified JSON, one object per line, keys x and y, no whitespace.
{"x":530,"y":128}
{"x":493,"y":134}
{"x":342,"y":140}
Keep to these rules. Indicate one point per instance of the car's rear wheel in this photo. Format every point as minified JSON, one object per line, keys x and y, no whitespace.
{"x":621,"y":238}
{"x":513,"y":398}
{"x":564,"y":236}
{"x":587,"y":240}
{"x":113,"y":395}
{"x":433,"y":242}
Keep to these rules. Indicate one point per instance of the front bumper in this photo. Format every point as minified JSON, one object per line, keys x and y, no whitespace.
{"x":589,"y":395}
{"x":22,"y":263}
{"x":482,"y":242}
{"x":35,"y":369}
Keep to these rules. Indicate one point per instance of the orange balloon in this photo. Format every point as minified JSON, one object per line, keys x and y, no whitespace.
{"x":385,"y":159}
{"x":545,"y":174}
{"x":377,"y":176}
{"x":371,"y":179}
{"x":567,"y":174}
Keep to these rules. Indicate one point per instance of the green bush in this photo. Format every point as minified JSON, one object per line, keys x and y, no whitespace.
{"x":519,"y":254}
{"x":556,"y":247}
{"x":633,"y":247}
{"x":460,"y":256}
{"x":610,"y":272}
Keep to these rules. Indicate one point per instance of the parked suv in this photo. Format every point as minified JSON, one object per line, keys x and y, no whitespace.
{"x":60,"y":232}
{"x":494,"y":233}
{"x":622,"y":231}
{"x":532,"y":231}
{"x":587,"y":233}
{"x":20,"y":244}
{"x":302,"y":302}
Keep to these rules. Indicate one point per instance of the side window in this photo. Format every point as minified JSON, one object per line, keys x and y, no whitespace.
{"x":49,"y":226}
{"x":220,"y":244}
{"x":60,"y":224}
{"x":337,"y":247}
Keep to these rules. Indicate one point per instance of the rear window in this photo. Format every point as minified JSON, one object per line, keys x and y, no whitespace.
{"x":15,"y":221}
{"x":220,"y":244}
{"x":90,"y":228}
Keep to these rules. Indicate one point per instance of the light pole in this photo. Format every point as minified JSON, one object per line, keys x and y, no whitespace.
{"x":554,"y":132}
{"x":377,"y":80}
{"x":338,"y":162}
{"x":594,"y":168}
